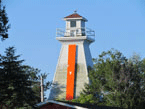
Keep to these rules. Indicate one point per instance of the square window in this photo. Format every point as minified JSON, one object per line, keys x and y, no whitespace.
{"x":73,"y":24}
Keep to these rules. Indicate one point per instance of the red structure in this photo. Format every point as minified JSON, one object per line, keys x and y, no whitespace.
{"x":70,"y":72}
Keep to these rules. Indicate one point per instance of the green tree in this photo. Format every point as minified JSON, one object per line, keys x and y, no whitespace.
{"x":34,"y":76}
{"x":115,"y":81}
{"x":15,"y":85}
{"x":3,"y":22}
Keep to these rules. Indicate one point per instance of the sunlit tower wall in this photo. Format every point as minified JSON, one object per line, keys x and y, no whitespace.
{"x":74,"y":59}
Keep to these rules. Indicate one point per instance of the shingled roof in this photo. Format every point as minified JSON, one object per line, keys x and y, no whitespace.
{"x":74,"y":15}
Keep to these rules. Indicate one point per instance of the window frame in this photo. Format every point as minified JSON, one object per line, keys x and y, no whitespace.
{"x":73,"y":24}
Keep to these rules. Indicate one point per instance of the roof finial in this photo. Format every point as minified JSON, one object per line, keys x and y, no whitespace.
{"x":75,"y":11}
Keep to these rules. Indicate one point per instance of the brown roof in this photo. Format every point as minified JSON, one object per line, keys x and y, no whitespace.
{"x":75,"y":15}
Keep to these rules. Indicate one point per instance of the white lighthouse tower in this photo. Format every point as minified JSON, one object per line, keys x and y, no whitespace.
{"x":74,"y":59}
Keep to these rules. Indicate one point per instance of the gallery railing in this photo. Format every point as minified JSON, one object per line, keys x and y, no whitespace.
{"x":75,"y":32}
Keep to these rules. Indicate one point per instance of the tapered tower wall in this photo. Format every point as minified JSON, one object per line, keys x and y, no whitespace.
{"x":83,"y":60}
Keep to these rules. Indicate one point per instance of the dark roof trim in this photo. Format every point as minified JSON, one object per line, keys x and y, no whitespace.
{"x":60,"y":103}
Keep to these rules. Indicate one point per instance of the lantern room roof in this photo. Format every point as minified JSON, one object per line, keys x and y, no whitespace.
{"x":74,"y":16}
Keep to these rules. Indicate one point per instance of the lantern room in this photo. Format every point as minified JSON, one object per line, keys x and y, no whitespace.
{"x":75,"y":27}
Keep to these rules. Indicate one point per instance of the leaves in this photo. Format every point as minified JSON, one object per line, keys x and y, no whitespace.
{"x":115,"y":81}
{"x":19,"y":84}
{"x":3,"y":23}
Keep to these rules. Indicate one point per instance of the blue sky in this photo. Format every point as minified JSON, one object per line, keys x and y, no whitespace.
{"x":118,"y":24}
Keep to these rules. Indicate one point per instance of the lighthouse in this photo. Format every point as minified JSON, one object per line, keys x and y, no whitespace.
{"x":74,"y":59}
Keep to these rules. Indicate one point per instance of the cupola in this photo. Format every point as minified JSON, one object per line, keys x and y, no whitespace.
{"x":75,"y":25}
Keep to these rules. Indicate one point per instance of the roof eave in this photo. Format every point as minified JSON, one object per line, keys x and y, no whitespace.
{"x":79,"y":18}
{"x":59,"y":103}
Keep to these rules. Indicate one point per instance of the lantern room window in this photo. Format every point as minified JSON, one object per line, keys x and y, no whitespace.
{"x":73,"y":24}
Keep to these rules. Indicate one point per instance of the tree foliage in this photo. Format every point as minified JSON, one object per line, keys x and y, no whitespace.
{"x":19,"y":84}
{"x":3,"y":22}
{"x":115,"y":81}
{"x":35,"y":76}
{"x":15,"y":85}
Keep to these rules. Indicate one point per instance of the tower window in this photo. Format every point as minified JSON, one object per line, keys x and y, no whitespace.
{"x":73,"y":24}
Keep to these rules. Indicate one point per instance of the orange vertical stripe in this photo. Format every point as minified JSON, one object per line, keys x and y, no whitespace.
{"x":70,"y":72}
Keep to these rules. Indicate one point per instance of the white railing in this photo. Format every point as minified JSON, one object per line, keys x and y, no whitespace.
{"x":75,"y":32}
